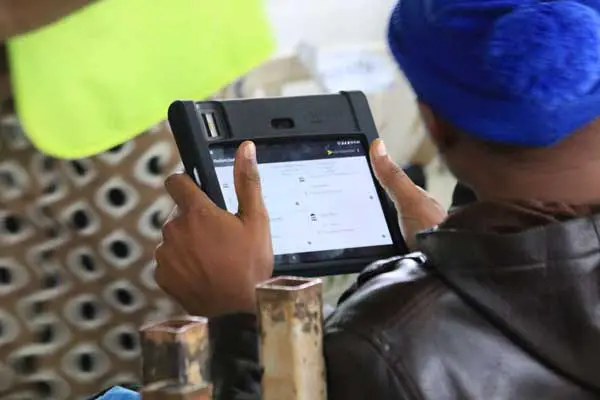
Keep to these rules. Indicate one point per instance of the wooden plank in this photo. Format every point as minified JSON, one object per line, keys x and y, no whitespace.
{"x":291,"y":339}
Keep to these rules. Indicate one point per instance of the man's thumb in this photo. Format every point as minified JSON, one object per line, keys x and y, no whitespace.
{"x":247,"y":183}
{"x":393,"y":179}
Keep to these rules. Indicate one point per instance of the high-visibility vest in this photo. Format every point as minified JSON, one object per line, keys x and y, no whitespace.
{"x":107,"y":72}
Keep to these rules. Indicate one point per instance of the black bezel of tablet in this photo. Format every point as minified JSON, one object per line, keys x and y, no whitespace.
{"x":325,"y":117}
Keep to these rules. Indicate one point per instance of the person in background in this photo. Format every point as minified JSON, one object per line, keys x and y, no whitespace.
{"x":77,"y":240}
{"x":501,"y":301}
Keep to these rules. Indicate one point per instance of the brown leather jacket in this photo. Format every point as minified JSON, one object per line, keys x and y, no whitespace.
{"x":505,"y":305}
{"x":22,"y":16}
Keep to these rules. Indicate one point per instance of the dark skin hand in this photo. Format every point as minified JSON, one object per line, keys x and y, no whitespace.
{"x":417,"y":209}
{"x":210,"y":260}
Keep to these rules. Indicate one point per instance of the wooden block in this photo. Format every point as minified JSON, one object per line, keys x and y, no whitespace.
{"x":291,"y":338}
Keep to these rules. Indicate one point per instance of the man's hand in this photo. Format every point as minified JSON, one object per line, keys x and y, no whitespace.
{"x":210,"y":260}
{"x":417,"y":209}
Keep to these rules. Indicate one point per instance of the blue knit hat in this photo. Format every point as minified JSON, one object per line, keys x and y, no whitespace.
{"x":523,"y":72}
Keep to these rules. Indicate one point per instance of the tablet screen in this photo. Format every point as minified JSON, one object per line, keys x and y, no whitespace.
{"x":320,"y":195}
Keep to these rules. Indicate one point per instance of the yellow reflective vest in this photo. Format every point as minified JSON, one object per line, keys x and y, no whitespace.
{"x":107,"y":72}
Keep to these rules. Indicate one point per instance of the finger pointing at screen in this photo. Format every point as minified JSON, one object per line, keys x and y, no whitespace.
{"x":210,"y":260}
{"x":247,"y":185}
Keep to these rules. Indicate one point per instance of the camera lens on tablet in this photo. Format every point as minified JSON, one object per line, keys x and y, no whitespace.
{"x":282,"y":123}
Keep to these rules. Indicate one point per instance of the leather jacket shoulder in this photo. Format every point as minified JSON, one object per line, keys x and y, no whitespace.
{"x":403,"y":333}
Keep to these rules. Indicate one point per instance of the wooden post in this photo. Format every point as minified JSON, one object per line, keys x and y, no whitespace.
{"x":291,"y":338}
{"x":175,"y":357}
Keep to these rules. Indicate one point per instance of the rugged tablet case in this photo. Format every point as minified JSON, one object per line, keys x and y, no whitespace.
{"x":343,"y":115}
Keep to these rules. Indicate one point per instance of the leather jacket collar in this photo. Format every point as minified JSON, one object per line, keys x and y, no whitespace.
{"x":539,"y":281}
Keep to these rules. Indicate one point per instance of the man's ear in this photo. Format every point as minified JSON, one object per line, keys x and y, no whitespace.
{"x":443,"y":138}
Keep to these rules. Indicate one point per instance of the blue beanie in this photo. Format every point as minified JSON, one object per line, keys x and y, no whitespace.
{"x":522,"y":72}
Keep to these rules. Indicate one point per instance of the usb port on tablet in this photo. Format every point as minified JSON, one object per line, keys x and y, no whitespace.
{"x":210,"y":125}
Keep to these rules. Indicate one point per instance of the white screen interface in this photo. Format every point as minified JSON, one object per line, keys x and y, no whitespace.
{"x":320,"y":195}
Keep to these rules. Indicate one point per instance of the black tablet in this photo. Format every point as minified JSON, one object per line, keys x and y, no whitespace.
{"x":328,"y":214}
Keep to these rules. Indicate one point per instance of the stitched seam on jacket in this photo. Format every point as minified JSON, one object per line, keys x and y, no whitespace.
{"x":404,"y":382}
{"x":413,"y":306}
